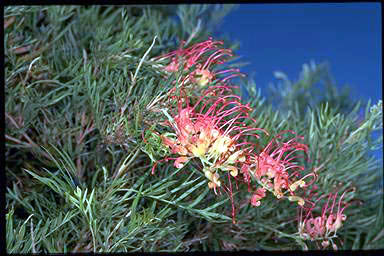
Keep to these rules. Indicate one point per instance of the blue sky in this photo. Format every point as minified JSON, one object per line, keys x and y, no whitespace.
{"x":282,"y":37}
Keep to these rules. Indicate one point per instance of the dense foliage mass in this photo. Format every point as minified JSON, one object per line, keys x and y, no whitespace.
{"x":132,"y":129}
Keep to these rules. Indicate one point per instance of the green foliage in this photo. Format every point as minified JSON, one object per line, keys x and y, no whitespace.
{"x":315,"y":80}
{"x":85,"y":102}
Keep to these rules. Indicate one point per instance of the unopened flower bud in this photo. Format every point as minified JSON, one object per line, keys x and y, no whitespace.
{"x":300,"y":201}
{"x":203,"y":77}
{"x":232,"y":158}
{"x":294,"y":186}
{"x":233,"y":170}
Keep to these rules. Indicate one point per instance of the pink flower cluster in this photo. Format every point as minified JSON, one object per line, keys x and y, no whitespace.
{"x":323,"y":227}
{"x":275,"y":170}
{"x":217,"y":129}
{"x":197,"y":62}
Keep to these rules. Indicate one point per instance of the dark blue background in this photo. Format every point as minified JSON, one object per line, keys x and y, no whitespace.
{"x":282,"y":37}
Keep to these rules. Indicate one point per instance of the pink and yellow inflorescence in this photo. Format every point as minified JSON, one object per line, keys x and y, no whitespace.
{"x":216,"y":128}
{"x":324,"y":226}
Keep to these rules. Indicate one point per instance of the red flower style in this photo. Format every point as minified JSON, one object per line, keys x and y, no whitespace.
{"x":203,"y":73}
{"x":274,"y":168}
{"x":325,"y":226}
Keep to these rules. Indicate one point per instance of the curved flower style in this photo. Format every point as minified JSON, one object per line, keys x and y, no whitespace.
{"x":325,"y":226}
{"x":257,"y":196}
{"x":275,"y":170}
{"x":204,"y":56}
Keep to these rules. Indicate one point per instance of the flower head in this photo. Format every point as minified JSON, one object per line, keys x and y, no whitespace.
{"x":276,"y":170}
{"x":213,"y":131}
{"x":203,"y":57}
{"x":323,"y":227}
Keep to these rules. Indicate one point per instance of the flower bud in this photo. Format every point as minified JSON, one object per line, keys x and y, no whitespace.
{"x":300,"y":201}
{"x":294,"y":186}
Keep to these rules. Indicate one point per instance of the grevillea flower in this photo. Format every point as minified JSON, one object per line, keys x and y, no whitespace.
{"x":213,"y":131}
{"x":324,"y":227}
{"x":203,"y":56}
{"x":275,"y":169}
